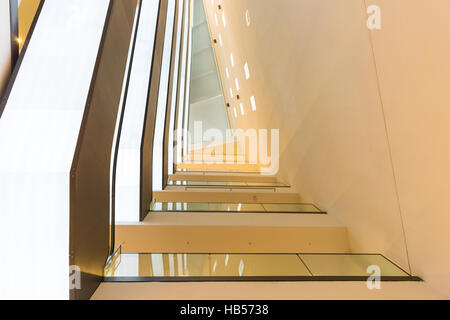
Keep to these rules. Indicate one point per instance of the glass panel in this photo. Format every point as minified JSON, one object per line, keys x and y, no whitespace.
{"x":179,"y":206}
{"x":349,"y":265}
{"x":290,"y":207}
{"x":251,"y":265}
{"x":229,"y":183}
{"x":233,"y":207}
{"x":236,"y":207}
{"x":161,"y":265}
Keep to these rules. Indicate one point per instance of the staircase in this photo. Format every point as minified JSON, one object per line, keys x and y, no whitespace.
{"x":236,"y":225}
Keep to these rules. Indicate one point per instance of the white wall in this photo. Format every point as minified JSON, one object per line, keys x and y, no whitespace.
{"x":364,"y":125}
{"x":5,"y":45}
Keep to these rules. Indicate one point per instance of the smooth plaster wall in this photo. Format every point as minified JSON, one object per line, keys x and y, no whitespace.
{"x":363,"y":115}
{"x":313,"y":77}
{"x":412,"y":52}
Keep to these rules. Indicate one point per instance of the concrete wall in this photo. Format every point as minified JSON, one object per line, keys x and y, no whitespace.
{"x":363,"y":114}
{"x":5,"y":45}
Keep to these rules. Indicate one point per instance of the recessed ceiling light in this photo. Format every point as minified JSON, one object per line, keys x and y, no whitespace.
{"x":247,"y":71}
{"x":224,"y":19}
{"x":247,"y":18}
{"x":253,"y":103}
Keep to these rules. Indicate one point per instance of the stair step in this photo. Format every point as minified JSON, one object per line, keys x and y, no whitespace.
{"x":269,"y":290}
{"x":233,"y":233}
{"x":227,"y":196}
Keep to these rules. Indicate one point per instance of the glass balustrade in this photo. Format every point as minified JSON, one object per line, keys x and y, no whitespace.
{"x":234,"y":207}
{"x":234,"y":184}
{"x":290,"y":266}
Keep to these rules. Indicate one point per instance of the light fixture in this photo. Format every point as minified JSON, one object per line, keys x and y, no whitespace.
{"x":236,"y":82}
{"x":242,"y":109}
{"x":247,"y":18}
{"x":227,"y":72}
{"x":253,"y":103}
{"x":235,"y":112}
{"x":232,"y":59}
{"x":247,"y":71}
{"x":224,"y":19}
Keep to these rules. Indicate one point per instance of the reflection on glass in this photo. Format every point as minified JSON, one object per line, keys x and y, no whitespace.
{"x":251,"y":265}
{"x":161,"y":265}
{"x":290,"y":207}
{"x":232,"y":207}
{"x":349,"y":264}
{"x":227,"y":184}
{"x":254,"y":265}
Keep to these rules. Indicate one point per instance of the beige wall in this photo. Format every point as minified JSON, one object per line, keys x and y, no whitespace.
{"x":413,"y":62}
{"x":5,"y":45}
{"x":364,"y":129}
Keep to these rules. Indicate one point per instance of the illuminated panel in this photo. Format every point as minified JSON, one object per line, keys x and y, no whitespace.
{"x":129,"y":161}
{"x":188,"y":82}
{"x":182,"y":84}
{"x":162,"y":100}
{"x":38,"y":135}
{"x":174,"y":88}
